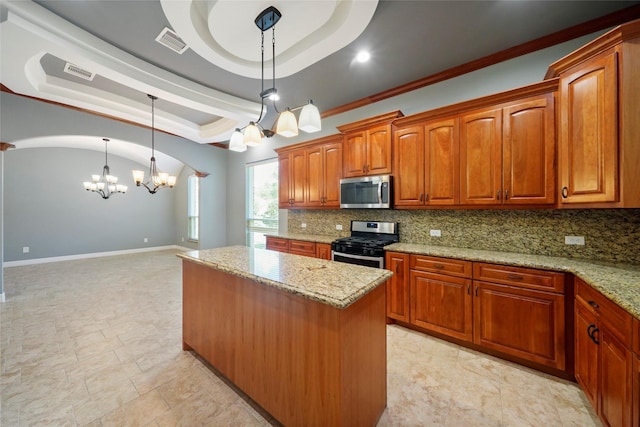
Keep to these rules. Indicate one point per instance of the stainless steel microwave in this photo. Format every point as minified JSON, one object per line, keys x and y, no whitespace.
{"x":366,"y":192}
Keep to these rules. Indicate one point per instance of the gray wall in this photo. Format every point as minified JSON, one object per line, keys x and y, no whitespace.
{"x":1,"y":221}
{"x":57,"y":219}
{"x":507,"y":75}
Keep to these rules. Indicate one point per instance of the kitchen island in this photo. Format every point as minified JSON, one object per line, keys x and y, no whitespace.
{"x":305,"y":338}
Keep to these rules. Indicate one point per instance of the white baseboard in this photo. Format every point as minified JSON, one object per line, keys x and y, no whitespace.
{"x":90,"y":255}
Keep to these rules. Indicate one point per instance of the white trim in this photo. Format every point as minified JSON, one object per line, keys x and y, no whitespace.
{"x":2,"y":297}
{"x":90,"y":255}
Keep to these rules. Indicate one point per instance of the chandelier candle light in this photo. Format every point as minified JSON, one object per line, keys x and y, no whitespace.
{"x":106,"y":184}
{"x":157,"y":180}
{"x":286,"y":125}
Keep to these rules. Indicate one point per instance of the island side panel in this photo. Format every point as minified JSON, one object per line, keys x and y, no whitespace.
{"x":304,"y":362}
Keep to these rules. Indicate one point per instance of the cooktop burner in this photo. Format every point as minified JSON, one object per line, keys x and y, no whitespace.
{"x":368,"y":238}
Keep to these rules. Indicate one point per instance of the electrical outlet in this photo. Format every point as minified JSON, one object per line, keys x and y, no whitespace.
{"x":435,"y":233}
{"x":338,"y":226}
{"x":25,"y":249}
{"x":146,"y":240}
{"x":574,"y":240}
{"x":183,"y":239}
{"x":303,"y":225}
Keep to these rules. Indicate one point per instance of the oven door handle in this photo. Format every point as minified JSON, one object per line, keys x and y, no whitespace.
{"x":368,"y":258}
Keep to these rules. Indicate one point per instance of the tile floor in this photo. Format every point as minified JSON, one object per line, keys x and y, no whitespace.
{"x":97,"y":342}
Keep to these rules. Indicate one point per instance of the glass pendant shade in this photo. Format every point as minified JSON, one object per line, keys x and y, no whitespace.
{"x":310,"y":118}
{"x":252,"y":135}
{"x":236,"y":143}
{"x":138,"y":176}
{"x":287,"y":125}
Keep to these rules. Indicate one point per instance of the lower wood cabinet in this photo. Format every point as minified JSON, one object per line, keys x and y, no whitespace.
{"x":299,"y":247}
{"x":604,"y":361}
{"x":512,"y":310}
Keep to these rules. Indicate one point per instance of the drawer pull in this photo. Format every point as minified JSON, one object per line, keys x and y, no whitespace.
{"x":515,"y":277}
{"x":438,"y":266}
{"x":594,"y":304}
{"x":565,"y":192}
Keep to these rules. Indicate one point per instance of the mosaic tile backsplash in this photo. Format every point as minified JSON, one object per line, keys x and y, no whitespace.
{"x":609,"y":234}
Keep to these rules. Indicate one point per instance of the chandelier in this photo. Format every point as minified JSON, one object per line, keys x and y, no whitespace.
{"x":106,"y":184}
{"x":286,"y":124}
{"x":157,"y":180}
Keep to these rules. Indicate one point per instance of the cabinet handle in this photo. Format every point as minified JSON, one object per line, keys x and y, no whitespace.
{"x":506,"y":194}
{"x":592,"y":330}
{"x":368,"y":169}
{"x":515,"y":277}
{"x":438,"y":266}
{"x":476,"y":290}
{"x":498,"y":194}
{"x":594,"y":304}
{"x":589,"y":330}
{"x":426,"y":197}
{"x":397,"y":267}
{"x":421,"y":197}
{"x":565,"y":192}
{"x":468,"y":289}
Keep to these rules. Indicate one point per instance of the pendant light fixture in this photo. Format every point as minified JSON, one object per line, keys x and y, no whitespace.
{"x":106,"y":184}
{"x":286,"y":124}
{"x":157,"y":180}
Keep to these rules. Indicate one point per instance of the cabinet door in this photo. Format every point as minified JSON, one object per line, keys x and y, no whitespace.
{"x":323,"y":251}
{"x":297,"y":178}
{"x":588,"y":139}
{"x":586,"y":352}
{"x":442,"y":304}
{"x":528,"y":146}
{"x":635,"y":392}
{"x":315,"y":174}
{"x":615,"y":380}
{"x":481,"y":157}
{"x":355,"y":154}
{"x":522,"y":322}
{"x":409,"y":175}
{"x":284,"y":186}
{"x":398,"y":286}
{"x":442,"y":163}
{"x":379,"y":150}
{"x":332,"y":173}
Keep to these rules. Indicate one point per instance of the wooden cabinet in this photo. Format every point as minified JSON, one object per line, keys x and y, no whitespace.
{"x":323,"y":251}
{"x":309,"y":174}
{"x":324,"y":169}
{"x":292,"y":177}
{"x":598,"y":129}
{"x":367,"y":146}
{"x":398,"y":286}
{"x":507,"y":153}
{"x":603,"y":357}
{"x":299,"y":247}
{"x":427,"y":164}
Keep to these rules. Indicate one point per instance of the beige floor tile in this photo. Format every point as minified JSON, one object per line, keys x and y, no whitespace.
{"x":138,"y":412}
{"x":95,"y":406}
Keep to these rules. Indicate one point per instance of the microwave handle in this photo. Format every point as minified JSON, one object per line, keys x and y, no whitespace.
{"x":380,"y":192}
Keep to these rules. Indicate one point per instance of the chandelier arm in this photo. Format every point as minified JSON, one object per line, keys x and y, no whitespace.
{"x":273,"y":58}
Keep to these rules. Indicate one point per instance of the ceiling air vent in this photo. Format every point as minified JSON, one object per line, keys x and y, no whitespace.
{"x":78,"y":72}
{"x":170,"y":39}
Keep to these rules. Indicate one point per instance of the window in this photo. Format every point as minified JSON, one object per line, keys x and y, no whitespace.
{"x":262,"y":202}
{"x":193,"y":208}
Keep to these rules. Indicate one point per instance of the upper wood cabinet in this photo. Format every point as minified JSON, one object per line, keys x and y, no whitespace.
{"x":309,"y":174}
{"x":367,"y":146}
{"x":427,"y":164}
{"x":598,"y":129}
{"x":507,"y":153}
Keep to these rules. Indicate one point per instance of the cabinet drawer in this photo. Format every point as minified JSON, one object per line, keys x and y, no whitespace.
{"x":299,"y":247}
{"x":451,"y":267}
{"x":617,"y":320}
{"x":518,"y":276}
{"x":277,"y":244}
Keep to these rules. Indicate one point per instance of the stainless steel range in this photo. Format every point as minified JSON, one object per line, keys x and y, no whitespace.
{"x":365,"y":246}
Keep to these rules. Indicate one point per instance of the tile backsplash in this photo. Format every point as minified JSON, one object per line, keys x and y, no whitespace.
{"x":609,"y":234}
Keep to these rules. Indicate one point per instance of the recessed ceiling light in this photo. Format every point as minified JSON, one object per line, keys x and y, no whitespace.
{"x":363,"y":56}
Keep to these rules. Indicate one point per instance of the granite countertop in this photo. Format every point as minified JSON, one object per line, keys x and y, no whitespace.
{"x":334,"y":283}
{"x":619,"y":282}
{"x":316,"y":238}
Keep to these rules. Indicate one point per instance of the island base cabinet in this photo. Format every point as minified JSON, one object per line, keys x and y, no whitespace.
{"x":521,"y":322}
{"x":304,"y":362}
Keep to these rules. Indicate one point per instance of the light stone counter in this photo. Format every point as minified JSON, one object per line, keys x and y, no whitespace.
{"x":334,"y":283}
{"x":619,"y":282}
{"x":315,"y":238}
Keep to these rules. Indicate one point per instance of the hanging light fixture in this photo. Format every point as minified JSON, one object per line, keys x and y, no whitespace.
{"x":106,"y":184}
{"x":157,"y":180}
{"x":286,"y":124}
